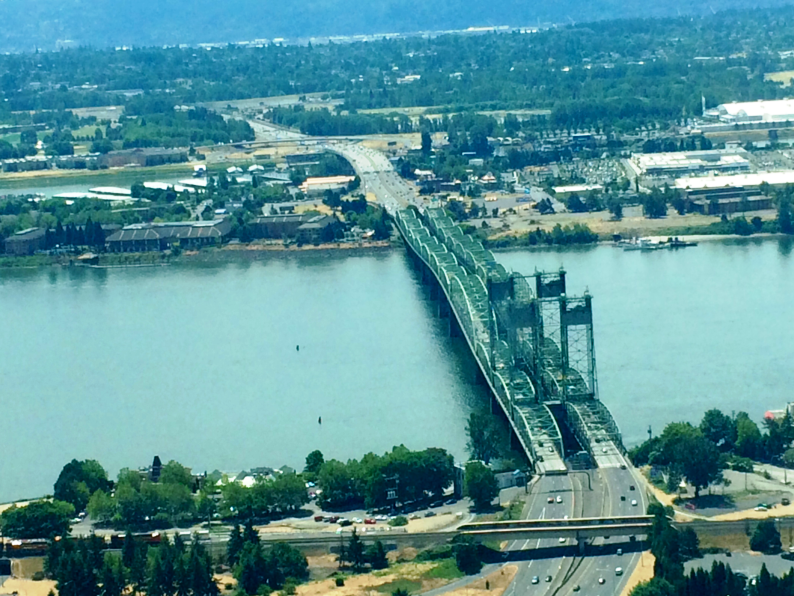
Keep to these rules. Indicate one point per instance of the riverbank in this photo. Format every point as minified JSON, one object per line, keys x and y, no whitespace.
{"x":228,"y":253}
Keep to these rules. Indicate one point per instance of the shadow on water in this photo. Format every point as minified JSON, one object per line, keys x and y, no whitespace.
{"x":785,"y":245}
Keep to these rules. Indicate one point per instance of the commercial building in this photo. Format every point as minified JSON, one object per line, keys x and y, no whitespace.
{"x":152,"y":156}
{"x":689,"y":163}
{"x":303,"y":227}
{"x":563,"y":192}
{"x":278,"y":226}
{"x":737,"y":182}
{"x":161,"y":236}
{"x":750,"y":112}
{"x":26,"y":242}
{"x":317,"y":186}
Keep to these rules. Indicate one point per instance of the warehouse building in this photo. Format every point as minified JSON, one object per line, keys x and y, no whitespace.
{"x":753,"y":112}
{"x":689,"y":163}
{"x":147,"y":237}
{"x":317,"y":186}
{"x":26,"y":242}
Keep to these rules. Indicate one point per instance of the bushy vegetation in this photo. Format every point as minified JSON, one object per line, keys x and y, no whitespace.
{"x":365,"y":482}
{"x":699,"y":454}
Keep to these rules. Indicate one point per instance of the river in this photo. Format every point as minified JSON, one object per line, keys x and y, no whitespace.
{"x":198,"y":363}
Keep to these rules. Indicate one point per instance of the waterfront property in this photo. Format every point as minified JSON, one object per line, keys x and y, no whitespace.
{"x":161,"y":236}
{"x":26,"y":242}
{"x":304,"y":227}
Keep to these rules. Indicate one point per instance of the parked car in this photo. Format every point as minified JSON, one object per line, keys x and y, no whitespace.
{"x":559,"y":499}
{"x":319,"y":518}
{"x":369,"y":521}
{"x":535,"y":579}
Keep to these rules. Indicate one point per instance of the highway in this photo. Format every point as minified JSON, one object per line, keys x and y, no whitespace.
{"x":605,"y":491}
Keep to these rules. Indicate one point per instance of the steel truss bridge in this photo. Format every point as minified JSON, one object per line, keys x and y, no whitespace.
{"x":532,"y":342}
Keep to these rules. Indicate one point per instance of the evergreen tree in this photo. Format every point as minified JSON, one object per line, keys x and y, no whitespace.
{"x":234,"y":546}
{"x":250,"y":534}
{"x":355,"y":551}
{"x":376,"y":555}
{"x":112,"y":575}
{"x":128,"y":550}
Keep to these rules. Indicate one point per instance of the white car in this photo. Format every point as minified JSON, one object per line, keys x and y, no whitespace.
{"x":559,"y":499}
{"x":634,"y":502}
{"x":618,"y":570}
{"x":562,"y":540}
{"x":358,"y":520}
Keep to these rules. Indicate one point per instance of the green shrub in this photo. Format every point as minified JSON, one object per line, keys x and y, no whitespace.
{"x":340,"y":581}
{"x":400,"y":520}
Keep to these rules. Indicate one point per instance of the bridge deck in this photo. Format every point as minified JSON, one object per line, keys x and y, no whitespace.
{"x":467,"y":273}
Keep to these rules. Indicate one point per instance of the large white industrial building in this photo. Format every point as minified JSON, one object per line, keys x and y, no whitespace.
{"x":691,"y":163}
{"x":779,"y":110}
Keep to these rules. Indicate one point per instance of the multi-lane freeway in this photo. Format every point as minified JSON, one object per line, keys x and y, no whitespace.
{"x":609,"y":491}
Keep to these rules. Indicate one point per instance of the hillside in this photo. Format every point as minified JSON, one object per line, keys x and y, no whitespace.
{"x":47,"y":24}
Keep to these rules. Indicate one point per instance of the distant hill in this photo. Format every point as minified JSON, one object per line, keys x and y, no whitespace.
{"x":47,"y":24}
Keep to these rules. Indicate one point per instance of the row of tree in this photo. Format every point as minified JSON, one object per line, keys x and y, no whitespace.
{"x":85,"y":568}
{"x":378,"y":481}
{"x":699,"y":454}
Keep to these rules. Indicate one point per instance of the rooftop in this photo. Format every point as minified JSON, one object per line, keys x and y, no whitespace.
{"x":737,"y":180}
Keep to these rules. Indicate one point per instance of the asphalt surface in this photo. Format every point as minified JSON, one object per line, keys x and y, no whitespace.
{"x":602,"y":492}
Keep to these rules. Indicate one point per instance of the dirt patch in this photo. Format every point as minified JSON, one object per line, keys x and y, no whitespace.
{"x":25,"y":568}
{"x":27,"y":587}
{"x":732,"y":542}
{"x":497,"y":582}
{"x":368,"y":584}
{"x":642,"y":573}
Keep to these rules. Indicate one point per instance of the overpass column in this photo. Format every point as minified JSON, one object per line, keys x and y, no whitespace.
{"x":582,"y":544}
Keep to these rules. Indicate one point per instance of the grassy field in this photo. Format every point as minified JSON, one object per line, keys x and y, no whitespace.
{"x":90,"y":177}
{"x":783,"y":77}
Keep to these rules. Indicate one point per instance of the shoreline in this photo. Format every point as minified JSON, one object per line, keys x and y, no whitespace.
{"x":238,"y":252}
{"x":228,"y":253}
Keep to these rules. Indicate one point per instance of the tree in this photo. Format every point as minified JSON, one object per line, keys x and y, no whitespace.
{"x":39,"y":519}
{"x":112,"y":576}
{"x":784,"y":217}
{"x":702,"y":464}
{"x":615,"y":206}
{"x":354,"y":552}
{"x":654,"y":587}
{"x":484,"y":437}
{"x":766,"y":538}
{"x":689,"y":544}
{"x":467,"y":555}
{"x":427,"y":143}
{"x":788,"y":458}
{"x":101,"y":507}
{"x":480,"y":484}
{"x":748,"y":436}
{"x":78,"y":480}
{"x":376,"y":556}
{"x":719,"y":428}
{"x":314,"y":461}
{"x":684,"y":448}
{"x":234,"y":546}
{"x":285,"y":562}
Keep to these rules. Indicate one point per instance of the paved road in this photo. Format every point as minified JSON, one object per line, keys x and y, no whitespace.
{"x":602,"y":492}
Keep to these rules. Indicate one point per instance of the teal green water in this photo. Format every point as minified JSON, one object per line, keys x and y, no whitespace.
{"x":679,"y":332}
{"x":198,"y":363}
